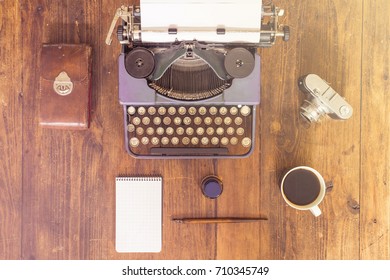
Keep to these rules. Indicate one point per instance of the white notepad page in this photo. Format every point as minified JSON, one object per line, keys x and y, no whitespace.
{"x":138,"y":214}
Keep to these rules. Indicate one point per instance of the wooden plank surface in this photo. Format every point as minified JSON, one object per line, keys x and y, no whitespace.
{"x":375,"y":167}
{"x":11,"y":100}
{"x":60,"y":185}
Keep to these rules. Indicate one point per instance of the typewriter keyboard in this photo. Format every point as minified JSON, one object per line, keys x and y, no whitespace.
{"x":190,"y":131}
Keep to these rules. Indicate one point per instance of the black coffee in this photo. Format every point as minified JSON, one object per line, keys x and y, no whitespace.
{"x":301,"y":187}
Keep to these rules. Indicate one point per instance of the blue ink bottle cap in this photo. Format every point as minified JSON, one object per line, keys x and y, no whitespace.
{"x":212,"y":187}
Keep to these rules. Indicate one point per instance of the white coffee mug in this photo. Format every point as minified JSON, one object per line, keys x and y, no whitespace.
{"x":303,"y":188}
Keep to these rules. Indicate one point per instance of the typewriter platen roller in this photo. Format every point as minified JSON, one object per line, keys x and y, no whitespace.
{"x":189,"y":75}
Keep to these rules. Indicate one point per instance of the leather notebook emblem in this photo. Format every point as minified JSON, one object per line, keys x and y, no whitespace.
{"x":62,"y":84}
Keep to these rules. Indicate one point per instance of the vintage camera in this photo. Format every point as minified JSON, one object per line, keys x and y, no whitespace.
{"x":322,"y":100}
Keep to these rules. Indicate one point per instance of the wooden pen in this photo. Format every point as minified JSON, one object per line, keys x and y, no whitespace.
{"x":217,"y":220}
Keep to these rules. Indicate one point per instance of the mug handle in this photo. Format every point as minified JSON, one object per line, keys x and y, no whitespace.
{"x":316,"y":211}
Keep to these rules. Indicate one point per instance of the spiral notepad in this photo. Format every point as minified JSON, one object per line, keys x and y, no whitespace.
{"x":138,"y":214}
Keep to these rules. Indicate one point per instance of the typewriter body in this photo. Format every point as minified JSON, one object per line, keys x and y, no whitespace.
{"x":189,"y":84}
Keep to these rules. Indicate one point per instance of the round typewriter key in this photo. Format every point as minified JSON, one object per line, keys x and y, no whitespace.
{"x":239,"y":62}
{"x":204,"y":141}
{"x":134,"y":142}
{"x":238,"y":121}
{"x":130,"y":127}
{"x":136,"y":121}
{"x":220,"y":130}
{"x":213,"y":110}
{"x":145,"y":140}
{"x":192,"y":111}
{"x":146,"y":121}
{"x":245,"y":110}
{"x":211,"y":187}
{"x":141,"y":111}
{"x":182,"y":110}
{"x":230,"y":130}
{"x":194,"y":141}
{"x":150,"y":131}
{"x":214,"y":140}
{"x":139,"y":130}
{"x":165,"y":140}
{"x":246,"y":142}
{"x":157,"y":120}
{"x":131,"y":110}
{"x":139,"y":63}
{"x":169,"y":131}
{"x":234,"y":141}
{"x":151,"y":111}
{"x":218,"y":121}
{"x":198,"y":120}
{"x":180,"y":131}
{"x":208,"y":120}
{"x":202,"y":111}
{"x":155,"y":141}
{"x":240,"y":131}
{"x":171,"y":110}
{"x":210,"y":131}
{"x":223,"y":111}
{"x":167,"y":120}
{"x":200,"y":130}
{"x":227,"y":120}
{"x":189,"y":131}
{"x":162,"y":110}
{"x":175,"y":140}
{"x":187,"y":120}
{"x":224,"y":141}
{"x":177,"y":120}
{"x":160,"y":130}
{"x":233,"y":111}
{"x":185,"y":140}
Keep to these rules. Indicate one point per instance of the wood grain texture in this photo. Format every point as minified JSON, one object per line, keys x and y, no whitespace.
{"x":11,"y":100}
{"x":375,"y":177}
{"x":58,"y":187}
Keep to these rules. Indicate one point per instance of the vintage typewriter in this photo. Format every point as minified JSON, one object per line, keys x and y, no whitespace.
{"x":189,"y":75}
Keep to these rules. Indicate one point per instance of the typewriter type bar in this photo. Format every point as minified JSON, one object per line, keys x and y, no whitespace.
{"x":189,"y":85}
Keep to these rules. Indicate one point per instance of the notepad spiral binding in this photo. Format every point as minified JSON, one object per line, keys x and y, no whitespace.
{"x":139,"y":179}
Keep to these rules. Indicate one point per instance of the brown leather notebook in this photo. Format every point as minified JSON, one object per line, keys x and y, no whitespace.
{"x":65,"y":86}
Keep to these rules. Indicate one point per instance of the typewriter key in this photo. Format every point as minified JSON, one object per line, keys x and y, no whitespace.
{"x":167,"y":120}
{"x":160,"y":130}
{"x":186,"y":140}
{"x":151,"y":111}
{"x":189,"y":131}
{"x":155,"y":141}
{"x":214,"y":140}
{"x":182,"y":110}
{"x":194,"y":141}
{"x":141,"y":111}
{"x":136,"y":121}
{"x":192,"y":111}
{"x":230,"y":130}
{"x":134,"y":142}
{"x":180,"y":131}
{"x":139,"y":63}
{"x":234,"y":141}
{"x":210,"y":131}
{"x":233,"y":111}
{"x":202,"y":111}
{"x":145,"y":140}
{"x":130,"y":127}
{"x":218,"y":121}
{"x":246,"y":142}
{"x":150,"y":131}
{"x":198,"y":120}
{"x":224,"y":141}
{"x":171,"y":111}
{"x":200,"y":130}
{"x":239,"y":62}
{"x":223,"y":111}
{"x":227,"y":120}
{"x":208,"y":120}
{"x":213,"y":110}
{"x":245,"y":111}
{"x":238,"y":121}
{"x":240,"y":131}
{"x":162,"y":110}
{"x":139,"y":130}
{"x":131,"y":110}
{"x":165,"y":140}
{"x":205,"y":141}
{"x":175,"y":140}
{"x":187,"y":120}
{"x":169,"y":131}
{"x":220,"y":130}
{"x":177,"y":120}
{"x":146,"y":121}
{"x":157,"y":120}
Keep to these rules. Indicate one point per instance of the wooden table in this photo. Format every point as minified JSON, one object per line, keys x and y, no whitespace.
{"x":57,"y":188}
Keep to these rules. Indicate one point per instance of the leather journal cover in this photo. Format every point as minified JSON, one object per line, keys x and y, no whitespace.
{"x":65,"y":86}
